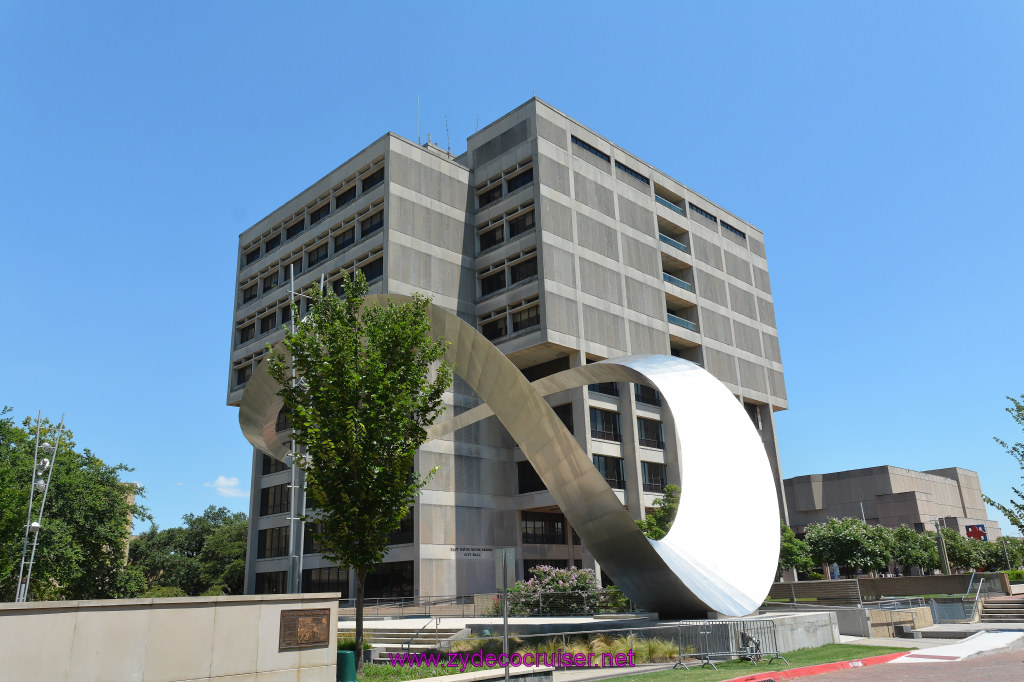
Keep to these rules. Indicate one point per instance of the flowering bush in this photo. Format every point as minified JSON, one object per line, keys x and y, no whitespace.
{"x":554,"y":591}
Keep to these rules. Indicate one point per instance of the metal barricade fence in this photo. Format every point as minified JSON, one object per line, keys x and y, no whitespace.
{"x":700,"y":641}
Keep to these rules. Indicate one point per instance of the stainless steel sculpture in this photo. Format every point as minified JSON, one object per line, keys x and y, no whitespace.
{"x":722,"y":551}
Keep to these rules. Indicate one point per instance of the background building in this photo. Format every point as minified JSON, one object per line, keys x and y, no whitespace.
{"x":891,"y":496}
{"x":562,"y":249}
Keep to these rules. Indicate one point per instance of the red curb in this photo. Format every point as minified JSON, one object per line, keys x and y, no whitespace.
{"x":816,"y":669}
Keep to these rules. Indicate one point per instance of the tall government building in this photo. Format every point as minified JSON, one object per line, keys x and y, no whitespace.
{"x":562,"y":249}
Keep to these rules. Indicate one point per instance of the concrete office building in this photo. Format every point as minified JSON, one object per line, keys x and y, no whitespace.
{"x":562,"y":249}
{"x":891,"y":496}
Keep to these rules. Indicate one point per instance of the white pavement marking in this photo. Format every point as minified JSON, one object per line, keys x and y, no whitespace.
{"x":983,"y":642}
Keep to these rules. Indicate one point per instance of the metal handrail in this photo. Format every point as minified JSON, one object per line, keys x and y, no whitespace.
{"x":672,"y":279}
{"x":673,"y":242}
{"x":675,"y":319}
{"x":407,"y":644}
{"x":668,"y":204}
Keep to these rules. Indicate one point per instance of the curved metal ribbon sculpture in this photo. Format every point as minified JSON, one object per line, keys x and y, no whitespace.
{"x":720,"y":554}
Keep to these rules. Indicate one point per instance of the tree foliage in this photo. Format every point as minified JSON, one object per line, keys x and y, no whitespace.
{"x":910,"y":548}
{"x":205,"y":556}
{"x":1014,"y":511}
{"x":850,"y":542}
{"x":657,"y":522}
{"x":793,"y":552}
{"x":371,"y":379}
{"x":86,"y":523}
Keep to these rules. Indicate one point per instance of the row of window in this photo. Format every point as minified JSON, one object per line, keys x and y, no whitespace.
{"x":521,"y":316}
{"x":508,"y":273}
{"x":654,"y":475}
{"x":338,"y":200}
{"x":506,"y":227}
{"x":272,"y":542}
{"x":508,"y":182}
{"x":592,"y":149}
{"x":739,"y":233}
{"x":632,"y":173}
{"x":390,"y":580}
{"x":605,"y":425}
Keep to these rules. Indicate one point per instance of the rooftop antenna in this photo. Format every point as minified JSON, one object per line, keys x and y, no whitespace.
{"x":478,"y":123}
{"x":418,"y":118}
{"x":447,"y":134}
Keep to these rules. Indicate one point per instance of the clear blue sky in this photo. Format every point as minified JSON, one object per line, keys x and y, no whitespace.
{"x":877,"y":144}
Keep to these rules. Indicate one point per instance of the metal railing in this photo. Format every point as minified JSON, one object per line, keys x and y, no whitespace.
{"x":675,"y":319}
{"x":668,"y":204}
{"x":407,"y":644}
{"x":672,"y":242}
{"x":479,"y":606}
{"x":672,"y":279}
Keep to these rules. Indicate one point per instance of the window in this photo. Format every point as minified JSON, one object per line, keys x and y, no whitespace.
{"x":646,"y":395}
{"x":345,"y":197}
{"x":605,"y":388}
{"x":282,"y":423}
{"x":632,"y":173}
{"x":271,"y":582}
{"x":520,"y":181}
{"x":701,"y":212}
{"x":739,"y":233}
{"x":320,"y":213}
{"x":492,"y":283}
{"x":374,"y":270}
{"x":530,"y":564}
{"x":404,"y":534}
{"x":317,"y":255}
{"x":286,"y":314}
{"x":754,"y":414}
{"x":267,"y":323}
{"x":492,"y":237}
{"x":590,"y":148}
{"x":529,"y":480}
{"x":604,"y":425}
{"x":273,"y":466}
{"x":247,"y":333}
{"x":270,"y":281}
{"x":345,"y":239}
{"x":294,"y":229}
{"x":272,"y":542}
{"x":564,"y":413}
{"x":274,"y":500}
{"x":249,"y":293}
{"x":655,"y":477}
{"x":242,"y":375}
{"x":370,"y":225}
{"x":390,"y":580}
{"x":494,"y":329}
{"x":490,"y":196}
{"x":650,"y":433}
{"x":524,"y":319}
{"x":611,"y":469}
{"x":329,"y":579}
{"x":252,"y":256}
{"x":523,"y":270}
{"x":309,"y":541}
{"x":373,"y":179}
{"x":542,"y":528}
{"x":520,"y":224}
{"x":272,"y":243}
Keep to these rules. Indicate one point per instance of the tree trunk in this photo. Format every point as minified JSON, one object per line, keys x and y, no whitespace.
{"x":360,"y":591}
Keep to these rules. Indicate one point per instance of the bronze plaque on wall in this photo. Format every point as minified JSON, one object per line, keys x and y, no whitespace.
{"x":305,"y":628}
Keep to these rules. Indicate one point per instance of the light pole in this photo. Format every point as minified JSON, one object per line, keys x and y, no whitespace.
{"x":942,"y":547}
{"x":37,"y":484}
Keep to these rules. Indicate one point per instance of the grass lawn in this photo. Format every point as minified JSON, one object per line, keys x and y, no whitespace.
{"x":373,"y":673}
{"x":830,"y":653}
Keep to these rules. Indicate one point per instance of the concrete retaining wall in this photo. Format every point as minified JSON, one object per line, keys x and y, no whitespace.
{"x":805,"y":630}
{"x":200,"y":639}
{"x":875,"y":588}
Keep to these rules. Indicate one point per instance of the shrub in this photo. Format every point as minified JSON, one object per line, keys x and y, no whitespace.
{"x":1015,"y":575}
{"x":157,"y":592}
{"x":347,"y":641}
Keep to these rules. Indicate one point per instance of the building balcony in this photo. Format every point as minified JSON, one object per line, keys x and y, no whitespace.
{"x":673,"y":242}
{"x":675,"y":319}
{"x":672,"y":279}
{"x":669,"y":205}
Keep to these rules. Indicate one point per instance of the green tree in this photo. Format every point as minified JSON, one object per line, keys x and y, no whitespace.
{"x":1015,"y":510}
{"x":371,"y":379}
{"x":963,"y":554}
{"x":793,"y":552}
{"x":910,"y":548}
{"x":850,"y":542}
{"x":86,"y":524}
{"x":657,"y":522}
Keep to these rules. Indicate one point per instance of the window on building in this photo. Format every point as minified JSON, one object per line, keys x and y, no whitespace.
{"x":604,"y":388}
{"x":328,"y":579}
{"x":520,"y":224}
{"x":270,"y":281}
{"x":701,"y":212}
{"x":646,"y":395}
{"x":592,"y":149}
{"x":320,"y":213}
{"x":564,"y":413}
{"x":286,"y":314}
{"x":317,"y":255}
{"x":274,"y":500}
{"x":523,"y":270}
{"x":489,"y":196}
{"x":374,"y":270}
{"x":267,"y":323}
{"x":282,"y":423}
{"x":249,"y":293}
{"x":492,"y":237}
{"x":611,"y":469}
{"x":373,"y":179}
{"x":242,"y":375}
{"x":650,"y":433}
{"x":370,"y":225}
{"x":520,"y":181}
{"x":252,"y":256}
{"x":529,"y":480}
{"x":393,"y":580}
{"x":272,"y":243}
{"x":543,"y":528}
{"x":739,"y":233}
{"x":754,"y":414}
{"x":271,"y":582}
{"x":345,"y":197}
{"x":405,"y":533}
{"x":297,"y":265}
{"x":524,"y":319}
{"x":494,"y":329}
{"x":604,"y":424}
{"x":345,"y":239}
{"x":632,"y":173}
{"x":247,"y":333}
{"x":272,"y":466}
{"x":272,"y":542}
{"x":576,"y":541}
{"x":492,"y":283}
{"x":293,"y":230}
{"x":309,"y":541}
{"x":655,"y":477}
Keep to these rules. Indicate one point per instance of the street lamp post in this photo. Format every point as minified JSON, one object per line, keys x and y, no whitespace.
{"x":37,"y":484}
{"x":942,"y":548}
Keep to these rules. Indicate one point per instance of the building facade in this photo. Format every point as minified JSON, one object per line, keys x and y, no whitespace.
{"x":891,"y":496}
{"x":562,"y":249}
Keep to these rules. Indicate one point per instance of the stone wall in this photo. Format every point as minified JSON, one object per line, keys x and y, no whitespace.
{"x":876,"y":588}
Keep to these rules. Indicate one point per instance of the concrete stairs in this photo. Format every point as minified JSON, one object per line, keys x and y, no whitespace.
{"x":392,"y":640}
{"x":1003,"y":610}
